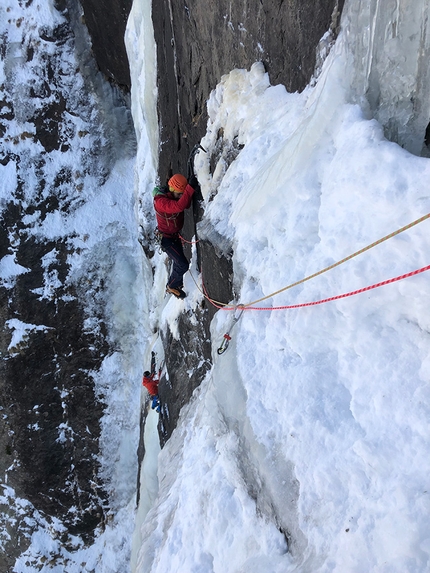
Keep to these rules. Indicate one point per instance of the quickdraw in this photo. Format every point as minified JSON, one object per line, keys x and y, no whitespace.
{"x":227,"y":337}
{"x":224,"y":343}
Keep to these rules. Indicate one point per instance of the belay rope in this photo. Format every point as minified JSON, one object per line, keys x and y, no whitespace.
{"x":239,"y":308}
{"x":250,"y":306}
{"x":338,"y":263}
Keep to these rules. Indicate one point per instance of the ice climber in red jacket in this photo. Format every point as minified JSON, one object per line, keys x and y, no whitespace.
{"x":170,"y":203}
{"x":150,"y":382}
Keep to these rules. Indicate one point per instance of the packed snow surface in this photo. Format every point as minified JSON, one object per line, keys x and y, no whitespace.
{"x":306,"y":448}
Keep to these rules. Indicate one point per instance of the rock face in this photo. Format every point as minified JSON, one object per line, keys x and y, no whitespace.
{"x":106,"y":21}
{"x":45,"y":387}
{"x":195,"y":47}
{"x":50,"y":413}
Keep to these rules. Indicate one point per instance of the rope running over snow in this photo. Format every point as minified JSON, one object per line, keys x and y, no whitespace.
{"x":225,"y":306}
{"x":345,"y":295}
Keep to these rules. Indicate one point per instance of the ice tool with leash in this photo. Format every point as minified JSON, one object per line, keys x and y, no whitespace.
{"x":190,"y":164}
{"x":154,"y":364}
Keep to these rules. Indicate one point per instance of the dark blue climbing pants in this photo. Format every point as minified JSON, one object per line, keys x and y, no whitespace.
{"x":172,"y":246}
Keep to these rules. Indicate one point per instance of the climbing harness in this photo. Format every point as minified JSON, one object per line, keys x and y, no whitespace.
{"x":227,"y":337}
{"x":168,"y":218}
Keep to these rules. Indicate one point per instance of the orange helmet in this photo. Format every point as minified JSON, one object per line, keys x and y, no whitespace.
{"x":177,"y":183}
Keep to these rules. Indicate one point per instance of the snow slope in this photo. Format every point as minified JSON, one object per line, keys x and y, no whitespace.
{"x":306,"y":448}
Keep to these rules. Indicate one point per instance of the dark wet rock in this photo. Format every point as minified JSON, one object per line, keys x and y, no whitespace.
{"x":196,"y":46}
{"x":50,"y":422}
{"x":59,"y":35}
{"x":48,"y":123}
{"x":189,"y":359}
{"x":106,"y":21}
{"x":48,"y":392}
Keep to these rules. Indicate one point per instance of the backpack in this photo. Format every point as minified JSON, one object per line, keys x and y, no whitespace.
{"x":164,"y":190}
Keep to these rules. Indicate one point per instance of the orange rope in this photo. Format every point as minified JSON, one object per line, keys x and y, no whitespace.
{"x":345,"y":295}
{"x":188,"y":242}
{"x":226,"y":306}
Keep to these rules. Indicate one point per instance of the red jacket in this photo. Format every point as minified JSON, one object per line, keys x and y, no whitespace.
{"x":170,"y":212}
{"x":150,"y":384}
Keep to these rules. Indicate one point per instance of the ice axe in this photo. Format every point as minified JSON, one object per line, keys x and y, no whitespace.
{"x":190,"y":165}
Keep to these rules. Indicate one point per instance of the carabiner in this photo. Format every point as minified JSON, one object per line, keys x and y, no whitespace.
{"x":224,"y":344}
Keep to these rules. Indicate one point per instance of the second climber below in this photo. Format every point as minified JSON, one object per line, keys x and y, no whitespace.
{"x":170,"y":203}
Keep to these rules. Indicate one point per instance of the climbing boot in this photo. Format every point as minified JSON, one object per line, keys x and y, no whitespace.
{"x":179,"y":293}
